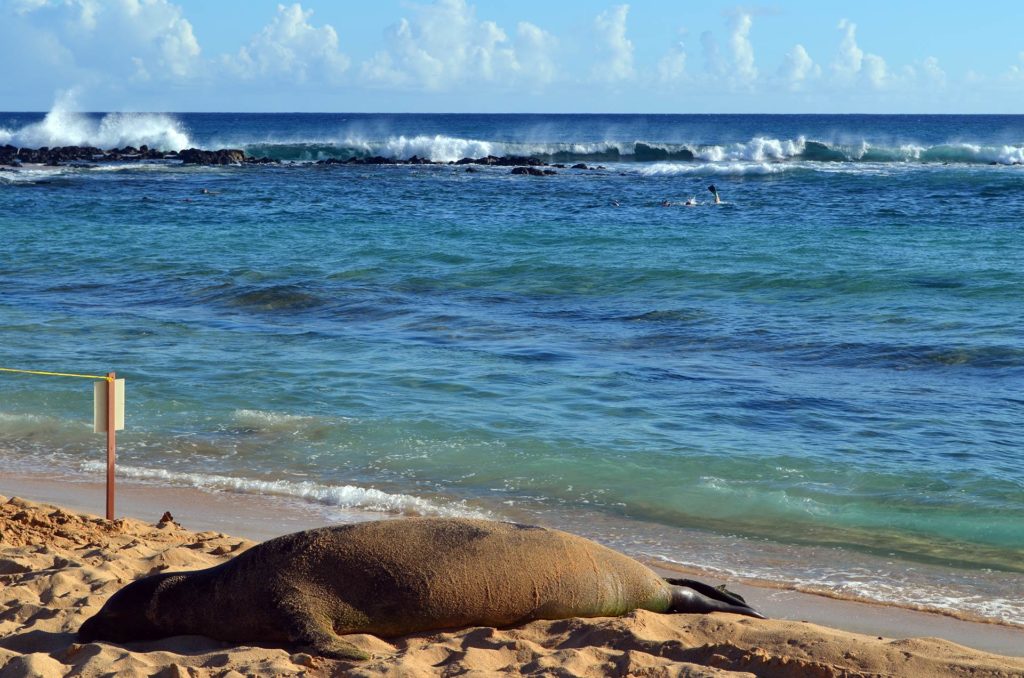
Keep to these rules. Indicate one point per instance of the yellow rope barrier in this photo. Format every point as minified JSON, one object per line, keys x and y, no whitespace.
{"x":55,"y":374}
{"x":111,"y":416}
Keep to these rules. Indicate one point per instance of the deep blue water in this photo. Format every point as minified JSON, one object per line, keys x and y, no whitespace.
{"x":818,"y":381}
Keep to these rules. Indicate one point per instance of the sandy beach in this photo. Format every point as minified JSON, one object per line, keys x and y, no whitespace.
{"x":58,"y":566}
{"x":403,"y":324}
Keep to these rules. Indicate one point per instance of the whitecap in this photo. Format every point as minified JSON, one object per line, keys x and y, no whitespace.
{"x":63,"y":126}
{"x":340,"y":496}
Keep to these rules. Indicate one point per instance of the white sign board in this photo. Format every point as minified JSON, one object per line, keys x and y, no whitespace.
{"x":99,"y":406}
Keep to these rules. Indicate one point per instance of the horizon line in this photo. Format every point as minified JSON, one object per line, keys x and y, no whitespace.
{"x":851,"y":114}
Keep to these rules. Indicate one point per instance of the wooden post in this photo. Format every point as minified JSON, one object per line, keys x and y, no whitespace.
{"x":111,"y":442}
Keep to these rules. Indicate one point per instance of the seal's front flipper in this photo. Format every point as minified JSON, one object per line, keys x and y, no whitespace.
{"x":694,"y":596}
{"x":320,"y":639}
{"x":336,"y":648}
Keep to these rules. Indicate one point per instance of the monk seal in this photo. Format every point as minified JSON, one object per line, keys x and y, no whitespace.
{"x":392,"y":578}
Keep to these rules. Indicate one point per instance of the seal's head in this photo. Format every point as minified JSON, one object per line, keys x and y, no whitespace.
{"x":126,"y":614}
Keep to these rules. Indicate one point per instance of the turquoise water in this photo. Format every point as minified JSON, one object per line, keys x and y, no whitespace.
{"x":816,"y":382}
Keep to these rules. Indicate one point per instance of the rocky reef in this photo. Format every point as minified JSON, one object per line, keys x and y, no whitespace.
{"x":12,"y":156}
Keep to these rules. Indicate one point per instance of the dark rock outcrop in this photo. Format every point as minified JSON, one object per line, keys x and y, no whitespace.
{"x":503,"y":161}
{"x":63,"y":155}
{"x":533,"y":171}
{"x":77,"y":155}
{"x":224,"y":156}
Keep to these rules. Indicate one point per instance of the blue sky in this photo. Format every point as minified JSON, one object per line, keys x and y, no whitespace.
{"x":792,"y":56}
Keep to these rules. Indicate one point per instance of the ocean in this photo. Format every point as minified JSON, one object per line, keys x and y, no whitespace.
{"x":818,"y":383}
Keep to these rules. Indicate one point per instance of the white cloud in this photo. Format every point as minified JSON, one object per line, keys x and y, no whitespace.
{"x":155,"y":31}
{"x":491,"y":53}
{"x":141,"y":72}
{"x":444,"y":45}
{"x":672,"y":66}
{"x":87,"y":10}
{"x":26,"y":6}
{"x":36,"y":50}
{"x":798,"y":67}
{"x":850,"y":57}
{"x":127,"y":52}
{"x":617,"y":49}
{"x":179,"y":48}
{"x":118,"y":39}
{"x":291,"y":48}
{"x":381,"y":69}
{"x":744,"y":69}
{"x":933,"y":73}
{"x":1016,"y":71}
{"x":535,"y":48}
{"x":875,"y":71}
{"x":853,"y":65}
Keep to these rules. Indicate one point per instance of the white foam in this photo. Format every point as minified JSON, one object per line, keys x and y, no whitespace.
{"x":441,"y":148}
{"x":138,"y":166}
{"x":62,"y":126}
{"x":1010,"y":155}
{"x":890,"y":587}
{"x":342,"y":496}
{"x":9,"y":418}
{"x":757,"y":153}
{"x":758,"y":150}
{"x":717,"y":169}
{"x":23,"y":176}
{"x":271,"y":418}
{"x":932,"y":597}
{"x":438,"y":148}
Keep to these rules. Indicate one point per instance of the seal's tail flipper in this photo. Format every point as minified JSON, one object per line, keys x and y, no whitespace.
{"x":689,"y":595}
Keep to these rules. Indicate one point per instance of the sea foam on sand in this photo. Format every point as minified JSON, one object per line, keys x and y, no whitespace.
{"x":58,"y":567}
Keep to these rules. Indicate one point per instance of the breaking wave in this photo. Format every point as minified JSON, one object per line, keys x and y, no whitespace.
{"x":339,"y":496}
{"x":442,"y":148}
{"x":724,"y":169}
{"x":63,"y":126}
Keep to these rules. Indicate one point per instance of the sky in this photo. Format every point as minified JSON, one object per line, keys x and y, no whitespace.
{"x":544,"y":56}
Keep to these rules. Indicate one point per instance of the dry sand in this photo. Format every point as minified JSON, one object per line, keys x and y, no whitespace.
{"x":57,"y":567}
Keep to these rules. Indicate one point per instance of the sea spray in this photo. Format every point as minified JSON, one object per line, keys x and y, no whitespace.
{"x":757,"y":151}
{"x":64,"y":126}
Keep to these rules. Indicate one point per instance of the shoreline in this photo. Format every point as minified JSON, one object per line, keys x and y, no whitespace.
{"x":260,"y":517}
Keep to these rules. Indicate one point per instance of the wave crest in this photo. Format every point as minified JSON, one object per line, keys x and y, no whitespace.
{"x":339,"y":496}
{"x":725,"y":169}
{"x":65,"y":127}
{"x":62,"y":126}
{"x":759,"y":150}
